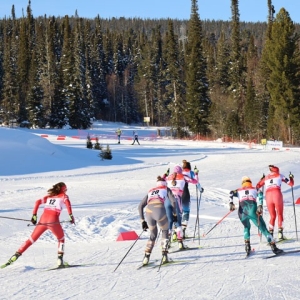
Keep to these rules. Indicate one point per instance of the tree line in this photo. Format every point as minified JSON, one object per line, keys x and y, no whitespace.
{"x":230,"y":79}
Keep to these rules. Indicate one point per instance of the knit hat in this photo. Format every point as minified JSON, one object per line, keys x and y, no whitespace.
{"x":161,"y":183}
{"x":246,"y":181}
{"x":274,"y":169}
{"x":186,"y":165}
{"x":177,"y":169}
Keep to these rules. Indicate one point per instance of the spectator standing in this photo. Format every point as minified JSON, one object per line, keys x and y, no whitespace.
{"x":119,"y":132}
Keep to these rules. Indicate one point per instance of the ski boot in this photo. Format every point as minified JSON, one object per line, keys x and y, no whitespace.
{"x":270,"y":239}
{"x":174,"y":236}
{"x":180,"y":245}
{"x":275,"y":249}
{"x":280,"y":234}
{"x":247,"y":247}
{"x":14,"y":258}
{"x":60,"y":261}
{"x":146,"y":258}
{"x":184,"y":235}
{"x":165,"y":258}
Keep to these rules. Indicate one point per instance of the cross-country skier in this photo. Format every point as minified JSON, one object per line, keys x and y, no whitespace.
{"x":176,"y":182}
{"x":190,"y":177}
{"x":248,"y":210}
{"x":135,"y":137}
{"x":53,"y":205}
{"x":156,"y":215}
{"x":274,"y":198}
{"x":119,"y":132}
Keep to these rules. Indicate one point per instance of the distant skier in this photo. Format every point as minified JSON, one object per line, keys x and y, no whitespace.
{"x":156,"y":215}
{"x":190,"y":177}
{"x":53,"y":205}
{"x":119,"y":132}
{"x":248,"y":210}
{"x":135,"y":137}
{"x":274,"y":198}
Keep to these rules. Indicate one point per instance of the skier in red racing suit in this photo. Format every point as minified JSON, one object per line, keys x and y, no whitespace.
{"x":274,"y":198}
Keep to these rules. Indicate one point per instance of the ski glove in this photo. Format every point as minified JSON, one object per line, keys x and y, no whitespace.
{"x":168,"y":172}
{"x":196,"y":170}
{"x":175,"y":218}
{"x":291,"y":176}
{"x":34,"y":219}
{"x":201,"y":190}
{"x":260,"y":198}
{"x":231,"y":206}
{"x":259,"y":210}
{"x":145,"y":225}
{"x":72,"y":219}
{"x":263,"y":177}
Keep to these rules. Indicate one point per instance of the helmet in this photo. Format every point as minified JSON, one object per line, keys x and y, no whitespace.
{"x":177,"y":169}
{"x":246,"y":181}
{"x":273,"y":168}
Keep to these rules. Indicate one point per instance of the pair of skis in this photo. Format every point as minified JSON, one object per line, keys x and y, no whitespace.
{"x":153,"y":264}
{"x":65,"y":266}
{"x":284,"y":252}
{"x":171,"y":261}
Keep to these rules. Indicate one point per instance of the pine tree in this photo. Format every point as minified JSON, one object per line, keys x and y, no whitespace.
{"x":283,"y":62}
{"x":23,"y":67}
{"x":9,"y":95}
{"x":198,"y":102}
{"x":98,"y":72}
{"x":236,"y":74}
{"x":105,"y":153}
{"x":173,"y":77}
{"x":34,"y":107}
{"x":97,"y":145}
{"x":235,"y":53}
{"x":58,"y":115}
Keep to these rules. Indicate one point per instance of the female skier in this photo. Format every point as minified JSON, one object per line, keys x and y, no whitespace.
{"x":274,"y":198}
{"x":53,"y":205}
{"x":176,"y":182}
{"x":190,"y":177}
{"x":156,"y":215}
{"x":248,"y":210}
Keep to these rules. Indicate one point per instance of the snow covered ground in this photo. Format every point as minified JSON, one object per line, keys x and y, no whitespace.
{"x":105,"y":196}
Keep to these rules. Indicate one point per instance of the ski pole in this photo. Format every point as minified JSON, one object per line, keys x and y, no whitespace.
{"x":258,"y":231}
{"x":128,"y":251}
{"x":197,"y":218}
{"x":66,"y":221}
{"x":205,"y":234}
{"x":157,"y":237}
{"x":294,"y":211}
{"x":15,"y":219}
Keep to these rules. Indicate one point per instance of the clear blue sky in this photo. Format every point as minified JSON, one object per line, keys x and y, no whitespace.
{"x":250,"y":10}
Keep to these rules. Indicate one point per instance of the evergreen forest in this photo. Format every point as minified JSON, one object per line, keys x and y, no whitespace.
{"x":202,"y":78}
